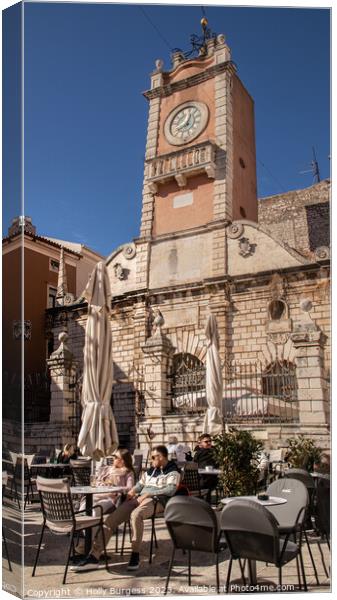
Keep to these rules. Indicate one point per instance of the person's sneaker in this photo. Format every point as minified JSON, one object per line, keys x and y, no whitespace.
{"x":134,"y":561}
{"x":88,"y":564}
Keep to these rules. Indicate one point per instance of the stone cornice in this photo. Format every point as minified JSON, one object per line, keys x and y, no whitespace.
{"x":169,"y":88}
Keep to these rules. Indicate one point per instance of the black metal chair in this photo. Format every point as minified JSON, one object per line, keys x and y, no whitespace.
{"x":4,"y":483}
{"x":193,"y":526}
{"x":291,"y":517}
{"x":59,"y":516}
{"x":191,"y":479}
{"x":322,"y":514}
{"x":308,"y":481}
{"x":252,"y":533}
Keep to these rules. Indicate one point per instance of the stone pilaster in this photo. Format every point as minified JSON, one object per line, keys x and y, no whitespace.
{"x":150,"y":152}
{"x":62,"y":367}
{"x":222,"y":205}
{"x":219,"y":305}
{"x":143,"y":253}
{"x":158,"y":351}
{"x":312,"y":392}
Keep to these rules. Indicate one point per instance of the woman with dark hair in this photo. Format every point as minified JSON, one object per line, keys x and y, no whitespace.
{"x":120,"y":473}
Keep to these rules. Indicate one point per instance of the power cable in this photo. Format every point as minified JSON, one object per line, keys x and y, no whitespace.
{"x":272,"y":176}
{"x":156,"y":28}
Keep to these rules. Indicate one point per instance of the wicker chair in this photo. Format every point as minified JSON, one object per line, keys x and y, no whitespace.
{"x":4,"y":483}
{"x":191,"y":479}
{"x":12,"y":482}
{"x":22,"y":476}
{"x":59,"y":515}
{"x":81,"y":471}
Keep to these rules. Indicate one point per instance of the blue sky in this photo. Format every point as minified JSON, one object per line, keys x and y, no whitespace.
{"x":85,"y":117}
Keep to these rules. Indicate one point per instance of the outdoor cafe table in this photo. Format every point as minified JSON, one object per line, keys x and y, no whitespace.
{"x":88,"y":491}
{"x":209,"y":471}
{"x":272,"y":501}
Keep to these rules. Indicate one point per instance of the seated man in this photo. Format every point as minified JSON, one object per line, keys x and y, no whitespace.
{"x":160,"y":480}
{"x":203,"y":456}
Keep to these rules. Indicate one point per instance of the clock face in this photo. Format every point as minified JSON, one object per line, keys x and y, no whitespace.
{"x":186,"y":122}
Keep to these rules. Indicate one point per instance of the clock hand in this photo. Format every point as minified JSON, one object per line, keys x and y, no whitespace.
{"x":183,"y":122}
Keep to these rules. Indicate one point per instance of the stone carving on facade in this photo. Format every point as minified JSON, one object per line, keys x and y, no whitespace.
{"x":278,"y":286}
{"x":245,"y":247}
{"x":27,"y":330}
{"x":68,"y":299}
{"x":62,"y":283}
{"x":62,"y":359}
{"x":305,"y":328}
{"x":323,"y":283}
{"x":322,"y":253}
{"x":159,"y":65}
{"x":157,"y":322}
{"x":120,"y":273}
{"x":278,"y":325}
{"x":235,"y":230}
{"x":129,"y":251}
{"x":220,"y":40}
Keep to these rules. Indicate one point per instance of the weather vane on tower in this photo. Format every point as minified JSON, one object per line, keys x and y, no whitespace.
{"x":199,"y":42}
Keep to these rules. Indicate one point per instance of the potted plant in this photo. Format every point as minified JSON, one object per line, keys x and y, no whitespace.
{"x":303,"y":453}
{"x":237,"y":453}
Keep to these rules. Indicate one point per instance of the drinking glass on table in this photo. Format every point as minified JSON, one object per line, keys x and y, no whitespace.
{"x":93,"y":480}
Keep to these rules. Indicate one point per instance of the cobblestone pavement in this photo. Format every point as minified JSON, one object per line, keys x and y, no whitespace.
{"x":148,"y":580}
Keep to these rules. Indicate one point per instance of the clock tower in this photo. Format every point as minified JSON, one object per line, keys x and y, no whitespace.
{"x":200,"y":168}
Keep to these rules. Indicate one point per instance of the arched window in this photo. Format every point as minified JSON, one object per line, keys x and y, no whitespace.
{"x":277,"y":310}
{"x":188,"y":372}
{"x":279,"y":380}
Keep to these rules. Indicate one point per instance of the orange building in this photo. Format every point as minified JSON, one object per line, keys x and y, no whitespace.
{"x":31,"y":269}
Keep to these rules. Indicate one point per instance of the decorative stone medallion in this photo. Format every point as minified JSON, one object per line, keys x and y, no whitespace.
{"x":129,"y":251}
{"x":186,"y":122}
{"x":322,"y":253}
{"x":120,"y":273}
{"x":235,"y":230}
{"x":245,"y":247}
{"x":68,"y":299}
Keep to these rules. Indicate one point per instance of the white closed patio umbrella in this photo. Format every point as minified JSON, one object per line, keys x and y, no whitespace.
{"x":98,"y":436}
{"x":214,"y":385}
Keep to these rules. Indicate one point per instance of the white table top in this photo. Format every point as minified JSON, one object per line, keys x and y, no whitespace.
{"x":103,"y":489}
{"x":209,"y":471}
{"x":273,"y":500}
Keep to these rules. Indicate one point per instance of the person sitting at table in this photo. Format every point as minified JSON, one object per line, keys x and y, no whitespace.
{"x":120,"y":473}
{"x":204,"y":457}
{"x":176,"y":450}
{"x":68,"y":453}
{"x":162,"y":481}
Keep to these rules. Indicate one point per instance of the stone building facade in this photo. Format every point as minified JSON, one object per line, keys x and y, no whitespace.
{"x":207,"y":244}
